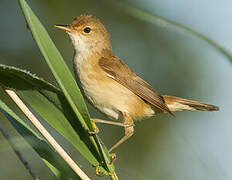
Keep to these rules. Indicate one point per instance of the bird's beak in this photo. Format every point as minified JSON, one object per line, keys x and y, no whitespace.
{"x":63,"y":27}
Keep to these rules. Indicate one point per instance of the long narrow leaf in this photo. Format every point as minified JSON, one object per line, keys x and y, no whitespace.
{"x":43,"y":149}
{"x":58,"y":120}
{"x":49,"y":102}
{"x":66,"y":82}
{"x":19,"y":79}
{"x":57,"y":65}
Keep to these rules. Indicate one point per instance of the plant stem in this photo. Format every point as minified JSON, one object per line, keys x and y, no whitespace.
{"x":46,"y":135}
{"x":113,"y":176}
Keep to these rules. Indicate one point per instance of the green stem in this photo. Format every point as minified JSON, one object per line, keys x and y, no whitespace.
{"x":113,"y":176}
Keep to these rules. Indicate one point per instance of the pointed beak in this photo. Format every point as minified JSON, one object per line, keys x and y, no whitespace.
{"x":63,"y":27}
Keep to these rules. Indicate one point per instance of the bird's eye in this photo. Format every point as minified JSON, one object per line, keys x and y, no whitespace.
{"x":87,"y":30}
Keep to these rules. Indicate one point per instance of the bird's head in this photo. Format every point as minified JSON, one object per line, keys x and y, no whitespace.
{"x":87,"y":34}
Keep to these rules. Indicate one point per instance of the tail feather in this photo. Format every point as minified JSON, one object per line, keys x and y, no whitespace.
{"x":181,"y":104}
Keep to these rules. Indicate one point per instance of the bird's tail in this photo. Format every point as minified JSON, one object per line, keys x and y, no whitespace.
{"x":181,"y":104}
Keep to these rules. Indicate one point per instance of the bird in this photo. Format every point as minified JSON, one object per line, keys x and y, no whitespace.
{"x":111,"y":85}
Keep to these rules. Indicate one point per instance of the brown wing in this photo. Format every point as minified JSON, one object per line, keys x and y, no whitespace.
{"x":120,"y":72}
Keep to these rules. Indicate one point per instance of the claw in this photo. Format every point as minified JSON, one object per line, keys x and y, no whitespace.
{"x":99,"y":172}
{"x":95,"y":128}
{"x":113,"y":158}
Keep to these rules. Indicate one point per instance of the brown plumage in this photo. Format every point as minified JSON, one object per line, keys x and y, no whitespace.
{"x":179,"y":104}
{"x":111,"y":85}
{"x":121,"y":73}
{"x":84,"y":19}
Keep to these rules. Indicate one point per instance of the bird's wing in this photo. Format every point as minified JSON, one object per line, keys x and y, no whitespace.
{"x":120,"y":72}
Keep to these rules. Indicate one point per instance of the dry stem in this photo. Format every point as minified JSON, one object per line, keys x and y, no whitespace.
{"x":46,"y":135}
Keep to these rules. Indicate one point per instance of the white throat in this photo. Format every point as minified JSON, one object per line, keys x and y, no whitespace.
{"x":85,"y":48}
{"x":79,"y":44}
{"x":82,"y":51}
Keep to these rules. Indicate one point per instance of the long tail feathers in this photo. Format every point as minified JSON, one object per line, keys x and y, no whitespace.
{"x":181,"y":104}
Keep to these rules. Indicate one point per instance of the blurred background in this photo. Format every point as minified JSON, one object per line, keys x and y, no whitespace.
{"x":191,"y":145}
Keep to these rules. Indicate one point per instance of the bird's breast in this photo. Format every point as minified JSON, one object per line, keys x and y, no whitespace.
{"x":108,"y":95}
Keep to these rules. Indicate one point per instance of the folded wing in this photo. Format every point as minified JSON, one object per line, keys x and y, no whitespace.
{"x":120,"y":72}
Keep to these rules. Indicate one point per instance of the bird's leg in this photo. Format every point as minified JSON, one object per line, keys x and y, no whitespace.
{"x":109,"y":122}
{"x":96,"y":130}
{"x":129,"y":130}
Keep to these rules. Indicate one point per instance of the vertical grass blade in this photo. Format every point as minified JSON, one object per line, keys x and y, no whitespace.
{"x":66,"y":82}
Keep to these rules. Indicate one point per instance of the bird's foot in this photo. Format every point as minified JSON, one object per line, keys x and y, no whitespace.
{"x":95,"y":128}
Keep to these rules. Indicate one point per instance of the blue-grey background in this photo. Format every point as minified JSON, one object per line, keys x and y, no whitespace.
{"x":191,"y":145}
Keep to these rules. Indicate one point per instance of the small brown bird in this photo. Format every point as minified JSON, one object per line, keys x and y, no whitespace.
{"x":111,"y":85}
